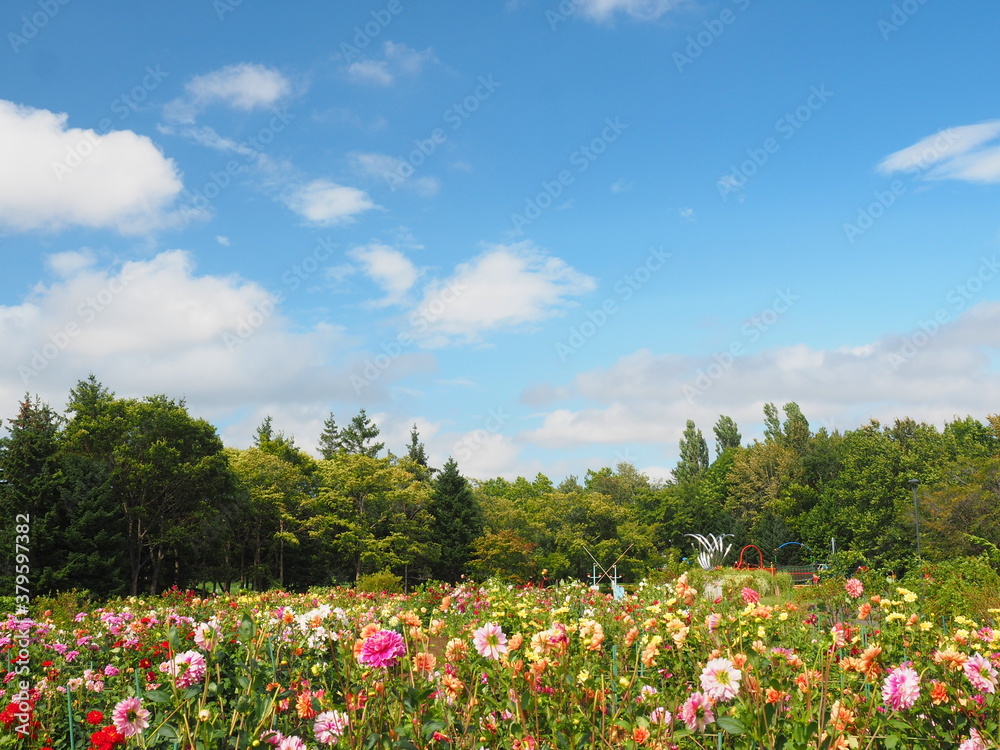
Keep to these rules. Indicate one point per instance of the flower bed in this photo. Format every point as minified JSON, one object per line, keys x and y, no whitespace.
{"x":500,"y":667}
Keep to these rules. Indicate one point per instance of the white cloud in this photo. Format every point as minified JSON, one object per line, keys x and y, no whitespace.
{"x":55,"y":177}
{"x":646,"y":398}
{"x":245,"y":87}
{"x":397,"y":60}
{"x":158,"y":326}
{"x":326,"y":203}
{"x":223,"y":240}
{"x":506,"y":287}
{"x":969,"y":152}
{"x":621,"y":186}
{"x":388,"y":268}
{"x":391,"y":171}
{"x":642,"y":10}
{"x":686,"y":213}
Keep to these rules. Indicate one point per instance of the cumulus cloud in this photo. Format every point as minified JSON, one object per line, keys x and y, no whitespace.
{"x":158,"y":326}
{"x":56,"y":177}
{"x":388,"y":268}
{"x":397,"y":60}
{"x":244,"y":87}
{"x":505,"y":287}
{"x":326,"y":203}
{"x":970,"y":153}
{"x":646,"y":397}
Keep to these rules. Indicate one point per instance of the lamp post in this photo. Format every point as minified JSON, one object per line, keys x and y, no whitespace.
{"x":916,"y":515}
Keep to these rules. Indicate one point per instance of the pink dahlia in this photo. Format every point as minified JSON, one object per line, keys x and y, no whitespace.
{"x":291,"y":742}
{"x":975,"y":742}
{"x":187,"y":669}
{"x":720,"y":680}
{"x":901,"y":688}
{"x":696,"y":712}
{"x":129,"y":717}
{"x":981,"y":673}
{"x":712,"y":622}
{"x":660,"y":715}
{"x":750,"y":596}
{"x":490,"y":641}
{"x":854,"y":588}
{"x":329,"y":726}
{"x":382,"y":649}
{"x":207,"y":635}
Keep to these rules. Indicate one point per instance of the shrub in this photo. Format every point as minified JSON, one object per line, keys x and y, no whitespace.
{"x":383,"y":582}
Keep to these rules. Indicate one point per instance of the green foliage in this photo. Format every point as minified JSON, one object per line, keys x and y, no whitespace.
{"x":384,"y":581}
{"x":457,"y":522}
{"x":963,"y":586}
{"x":693,"y":454}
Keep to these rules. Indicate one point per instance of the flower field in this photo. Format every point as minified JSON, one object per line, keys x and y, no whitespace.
{"x":500,"y":667}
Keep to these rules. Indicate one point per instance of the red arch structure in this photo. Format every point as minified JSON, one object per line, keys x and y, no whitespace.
{"x":744,"y":564}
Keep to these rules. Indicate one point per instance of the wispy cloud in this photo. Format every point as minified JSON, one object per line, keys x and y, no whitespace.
{"x":970,"y":153}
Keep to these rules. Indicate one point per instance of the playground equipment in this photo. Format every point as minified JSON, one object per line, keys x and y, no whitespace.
{"x":744,"y":562}
{"x":617,"y":590}
{"x":801,"y":574}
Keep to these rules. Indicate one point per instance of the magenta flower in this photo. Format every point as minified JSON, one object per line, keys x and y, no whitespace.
{"x":329,"y":726}
{"x":720,"y":680}
{"x":854,"y":588}
{"x":901,"y":688}
{"x":129,"y":717}
{"x":696,"y":712}
{"x":750,"y":596}
{"x":981,"y":673}
{"x":490,"y":641}
{"x":382,"y":649}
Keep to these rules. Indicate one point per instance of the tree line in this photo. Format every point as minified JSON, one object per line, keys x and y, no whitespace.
{"x":128,"y":496}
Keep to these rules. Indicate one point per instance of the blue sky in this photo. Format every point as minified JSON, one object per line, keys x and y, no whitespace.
{"x":546,"y":233}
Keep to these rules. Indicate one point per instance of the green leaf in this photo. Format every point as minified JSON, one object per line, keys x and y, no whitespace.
{"x":247,"y":627}
{"x":891,"y":741}
{"x":731,"y":725}
{"x":167,"y":732}
{"x":157,"y":696}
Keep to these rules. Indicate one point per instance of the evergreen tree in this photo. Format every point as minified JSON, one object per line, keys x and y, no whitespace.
{"x":727,"y":435}
{"x":694,"y":454}
{"x":458,"y":521}
{"x":29,"y":470}
{"x":359,"y":437}
{"x":329,"y":440}
{"x":415,"y":450}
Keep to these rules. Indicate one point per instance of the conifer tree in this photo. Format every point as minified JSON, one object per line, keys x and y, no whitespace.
{"x":458,"y":521}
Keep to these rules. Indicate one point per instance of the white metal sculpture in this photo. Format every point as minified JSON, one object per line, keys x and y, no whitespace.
{"x":712,"y":554}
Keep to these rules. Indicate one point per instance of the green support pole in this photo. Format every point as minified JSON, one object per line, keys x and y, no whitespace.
{"x":69,"y":716}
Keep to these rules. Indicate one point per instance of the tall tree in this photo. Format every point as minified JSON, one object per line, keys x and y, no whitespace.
{"x":329,"y":440}
{"x":694,"y":454}
{"x":31,"y":479}
{"x":415,"y":450}
{"x":727,"y":435}
{"x":772,"y":424}
{"x":795,"y":428}
{"x":458,"y":521}
{"x":359,"y":437}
